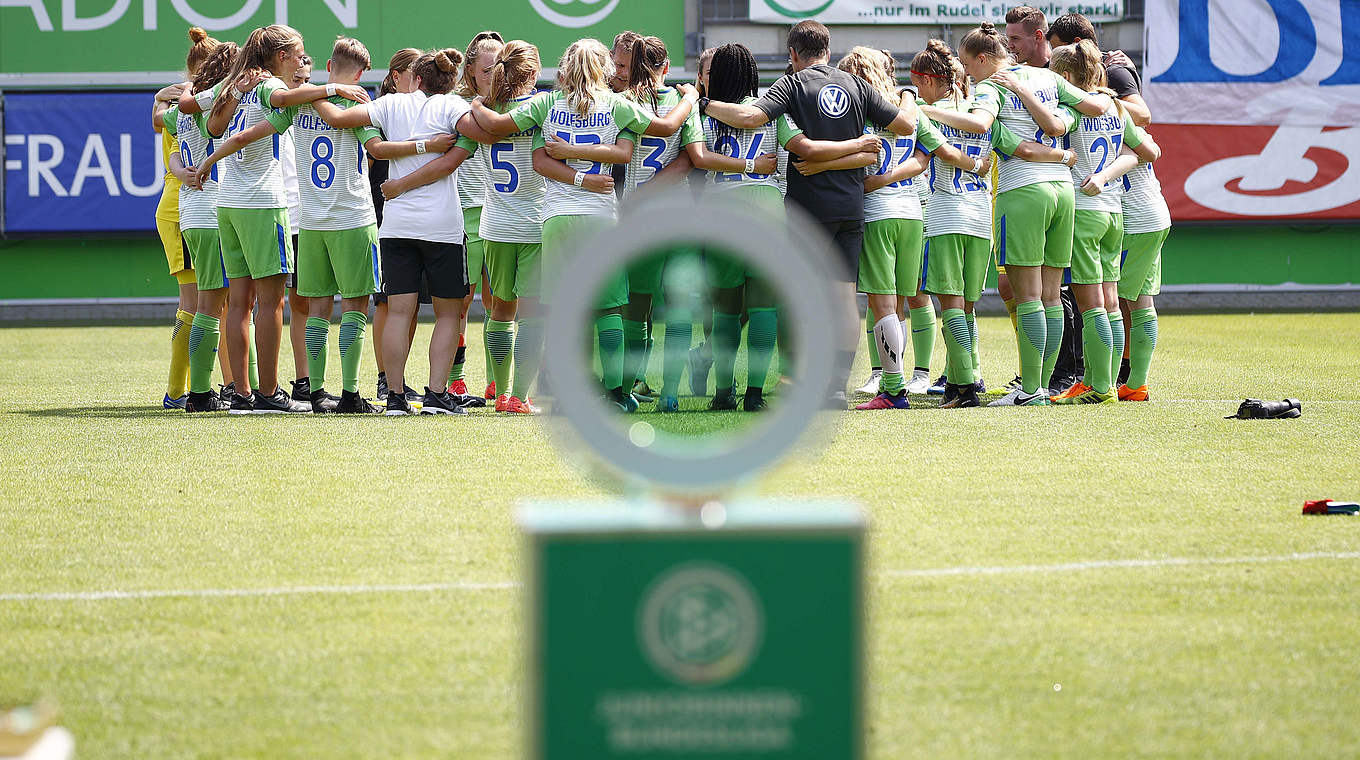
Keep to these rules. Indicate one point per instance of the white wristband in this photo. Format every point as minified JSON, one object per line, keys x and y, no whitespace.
{"x":580,"y":179}
{"x":420,"y":147}
{"x":750,"y":166}
{"x":204,"y":100}
{"x":238,"y":94}
{"x":977,"y":166}
{"x":330,"y":90}
{"x":1067,"y":156}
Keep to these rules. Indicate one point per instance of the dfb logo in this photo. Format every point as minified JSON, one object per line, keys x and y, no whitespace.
{"x":833,"y":101}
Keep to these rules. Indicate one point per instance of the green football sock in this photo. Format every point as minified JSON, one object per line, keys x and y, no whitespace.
{"x":1116,"y":332}
{"x":726,"y":334}
{"x":977,"y":357}
{"x":874,"y":361}
{"x":528,"y":353}
{"x":1031,"y":334}
{"x":1096,"y":345}
{"x":317,"y":332}
{"x":459,"y":359}
{"x":1142,"y":342}
{"x":609,"y":333}
{"x":204,"y":335}
{"x":760,"y":338}
{"x":634,"y":347}
{"x":500,"y":342}
{"x":1053,"y":319}
{"x":958,"y":343}
{"x":675,"y":349}
{"x":486,"y":350}
{"x":923,"y":334}
{"x":352,"y":328}
{"x":252,"y":363}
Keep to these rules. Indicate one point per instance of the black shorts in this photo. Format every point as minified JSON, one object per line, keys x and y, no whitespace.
{"x":381,"y":297}
{"x":848,"y":239}
{"x":408,"y":263}
{"x":290,"y":281}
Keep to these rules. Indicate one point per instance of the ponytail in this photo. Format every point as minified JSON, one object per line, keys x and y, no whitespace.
{"x":401,"y":61}
{"x":516,"y":71}
{"x":261,"y":46}
{"x":202,"y":46}
{"x":649,"y":60}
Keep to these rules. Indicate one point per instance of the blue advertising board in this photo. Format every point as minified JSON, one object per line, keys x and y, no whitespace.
{"x":80,"y":162}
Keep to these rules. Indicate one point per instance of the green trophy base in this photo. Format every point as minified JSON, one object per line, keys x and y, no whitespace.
{"x":657,"y":633}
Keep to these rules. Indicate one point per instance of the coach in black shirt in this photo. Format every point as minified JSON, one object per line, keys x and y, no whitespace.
{"x":827,"y":104}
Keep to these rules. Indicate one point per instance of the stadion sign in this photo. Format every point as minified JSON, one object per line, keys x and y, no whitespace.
{"x":149,"y":35}
{"x":1261,"y":99}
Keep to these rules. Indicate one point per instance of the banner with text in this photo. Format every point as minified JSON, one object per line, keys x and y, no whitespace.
{"x":1218,"y":173}
{"x":1261,"y":105}
{"x":46,"y":36}
{"x":918,"y":11}
{"x":1254,"y":62}
{"x":81,"y":162}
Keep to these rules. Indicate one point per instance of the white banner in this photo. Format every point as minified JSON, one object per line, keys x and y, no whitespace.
{"x":1253,"y":62}
{"x":919,"y":11}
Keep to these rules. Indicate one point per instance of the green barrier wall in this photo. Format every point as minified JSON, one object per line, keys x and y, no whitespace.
{"x":135,"y":267}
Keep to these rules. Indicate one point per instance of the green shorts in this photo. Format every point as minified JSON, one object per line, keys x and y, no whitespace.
{"x":476,"y":252}
{"x":1097,"y":239}
{"x":205,"y":251}
{"x":339,"y":261}
{"x":725,"y":271}
{"x":1034,"y":225}
{"x":513,"y":269}
{"x":1142,"y":265}
{"x":891,"y":261}
{"x":256,"y":242}
{"x":957,"y":265}
{"x":560,"y":233}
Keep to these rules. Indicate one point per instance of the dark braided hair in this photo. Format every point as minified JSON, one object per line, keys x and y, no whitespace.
{"x":732,"y":76}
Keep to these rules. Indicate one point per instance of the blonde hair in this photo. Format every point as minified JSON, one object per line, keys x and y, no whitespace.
{"x":938,"y":61}
{"x":583,"y":74}
{"x":467,"y":83}
{"x":1081,"y":62}
{"x":438,"y":70}
{"x":516,"y":70}
{"x":986,"y":40}
{"x":215,"y":68}
{"x":867,"y":64}
{"x":261,"y":47}
{"x":202,"y":47}
{"x":401,"y":61}
{"x":351,"y":53}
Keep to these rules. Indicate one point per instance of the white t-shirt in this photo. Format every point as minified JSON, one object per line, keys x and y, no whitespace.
{"x":290,"y":182}
{"x":431,"y":212}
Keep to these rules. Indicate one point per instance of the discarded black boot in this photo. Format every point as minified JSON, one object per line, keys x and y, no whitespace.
{"x":1256,"y":409}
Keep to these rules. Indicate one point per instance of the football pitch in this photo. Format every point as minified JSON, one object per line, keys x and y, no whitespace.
{"x":1111,"y":581}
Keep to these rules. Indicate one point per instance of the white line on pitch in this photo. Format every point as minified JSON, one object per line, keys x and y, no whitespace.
{"x":1102,"y":564}
{"x":1064,"y":567}
{"x":90,"y":596}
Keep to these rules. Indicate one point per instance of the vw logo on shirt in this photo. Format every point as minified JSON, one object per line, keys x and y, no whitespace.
{"x":833,"y":101}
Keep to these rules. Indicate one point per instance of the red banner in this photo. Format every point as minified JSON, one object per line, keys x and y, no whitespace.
{"x":1234,"y":173}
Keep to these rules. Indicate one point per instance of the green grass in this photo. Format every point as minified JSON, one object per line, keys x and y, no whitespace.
{"x":102,"y":490}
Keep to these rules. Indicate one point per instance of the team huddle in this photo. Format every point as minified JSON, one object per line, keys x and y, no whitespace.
{"x":462,"y":177}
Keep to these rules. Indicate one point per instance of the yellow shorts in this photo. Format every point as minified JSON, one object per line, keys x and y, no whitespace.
{"x":176,"y":257}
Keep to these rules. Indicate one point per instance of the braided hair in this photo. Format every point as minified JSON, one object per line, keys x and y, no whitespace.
{"x":732,"y":76}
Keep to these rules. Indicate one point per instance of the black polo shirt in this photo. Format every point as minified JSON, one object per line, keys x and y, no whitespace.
{"x":828,"y":104}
